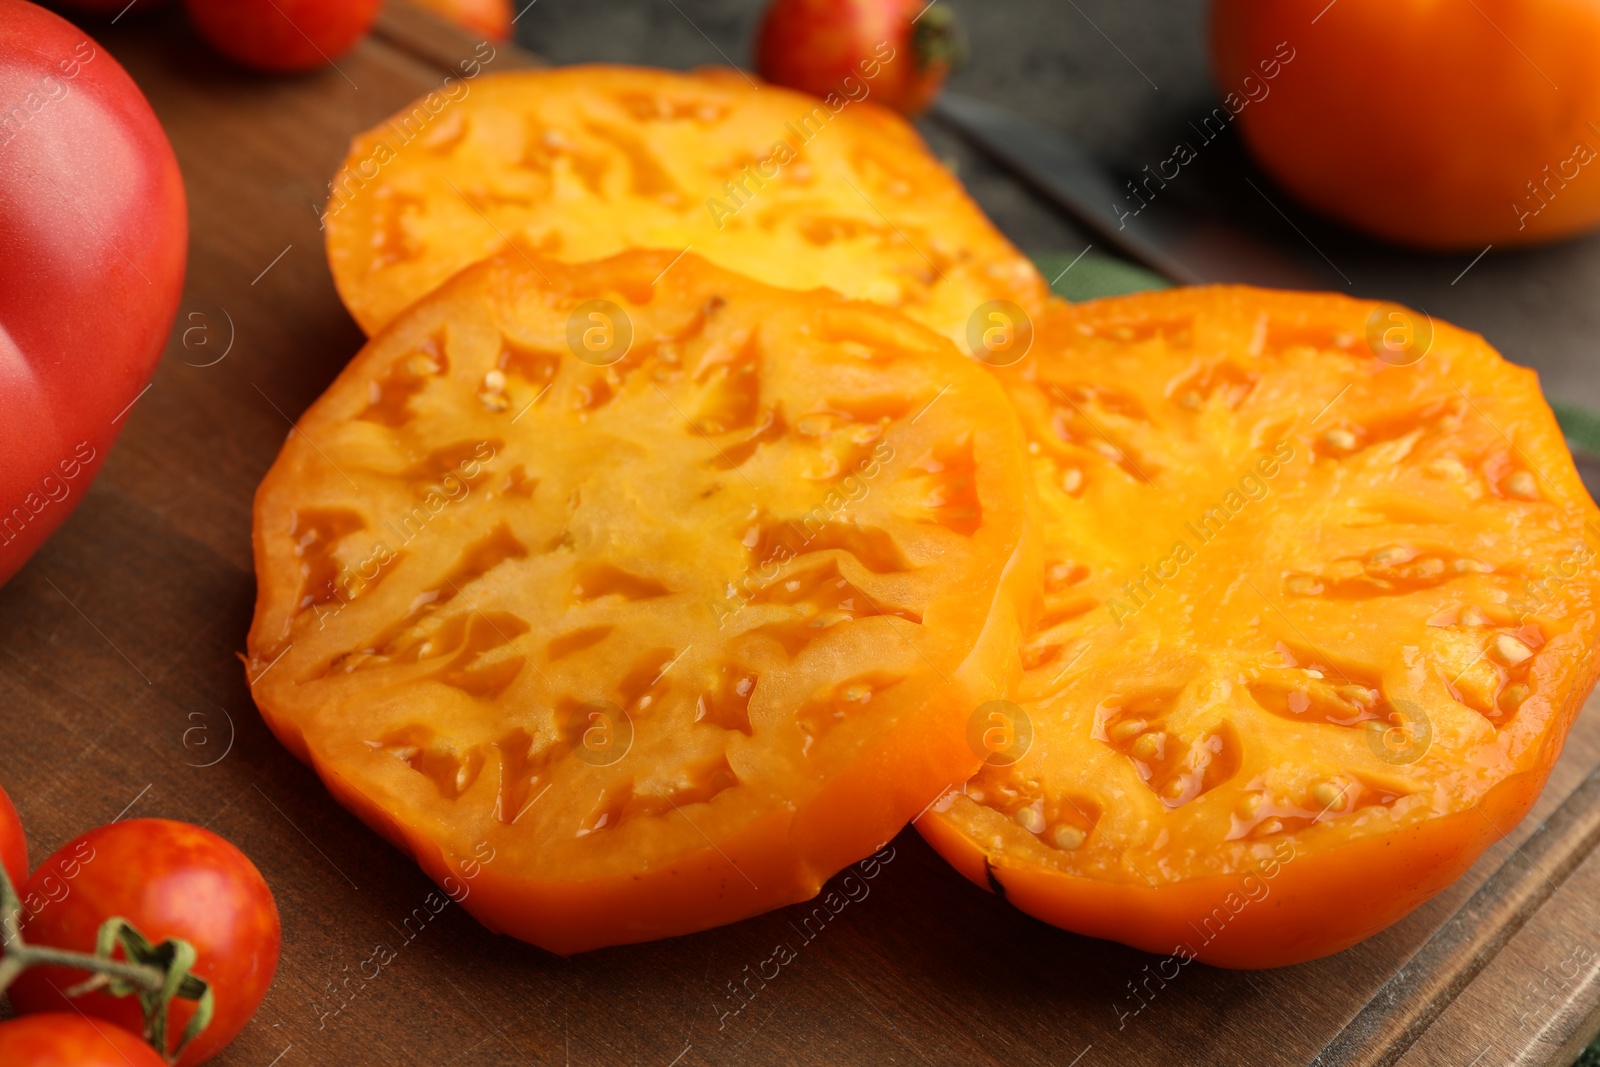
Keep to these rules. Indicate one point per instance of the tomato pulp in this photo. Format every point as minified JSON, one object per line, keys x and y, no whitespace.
{"x":1319,"y":610}
{"x":657,"y":601}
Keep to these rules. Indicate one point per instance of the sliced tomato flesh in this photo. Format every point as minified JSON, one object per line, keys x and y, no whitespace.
{"x":1319,"y":609}
{"x":584,"y":162}
{"x":646,"y":593}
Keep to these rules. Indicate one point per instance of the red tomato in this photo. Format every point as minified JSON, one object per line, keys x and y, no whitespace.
{"x":492,"y":18}
{"x":283,"y":35}
{"x":13,"y":845}
{"x":896,"y":53}
{"x":169,"y":879}
{"x":67,"y":1039}
{"x":93,"y":236}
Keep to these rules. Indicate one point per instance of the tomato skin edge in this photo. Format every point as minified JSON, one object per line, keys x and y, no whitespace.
{"x":1382,"y":877}
{"x":756,"y":868}
{"x":1312,"y":918}
{"x":1297,"y":913}
{"x":580,"y":916}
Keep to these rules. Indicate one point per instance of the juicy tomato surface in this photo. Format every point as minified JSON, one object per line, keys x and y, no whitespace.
{"x":93,"y":239}
{"x":284,"y":36}
{"x":584,"y":162}
{"x":169,"y":879}
{"x":1320,"y":606}
{"x":897,"y":52}
{"x":13,"y":843}
{"x":636,"y":643}
{"x":67,"y":1039}
{"x":1447,"y":126}
{"x":492,"y":18}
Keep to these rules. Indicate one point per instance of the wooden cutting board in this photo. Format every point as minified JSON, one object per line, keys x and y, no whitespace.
{"x":123,"y":695}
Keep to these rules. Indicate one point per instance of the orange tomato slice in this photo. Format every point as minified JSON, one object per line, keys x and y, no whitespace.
{"x":584,"y":162}
{"x":1320,"y":606}
{"x":638,"y":597}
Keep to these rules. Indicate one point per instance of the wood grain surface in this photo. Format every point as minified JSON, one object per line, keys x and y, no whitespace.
{"x":123,"y":695}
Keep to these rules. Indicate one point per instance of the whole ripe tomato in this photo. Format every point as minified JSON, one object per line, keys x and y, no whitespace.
{"x":492,"y":18}
{"x":1447,"y":126}
{"x":13,"y":845}
{"x":897,"y":52}
{"x":284,"y":36}
{"x":67,"y":1039}
{"x":93,"y":238}
{"x":169,"y":879}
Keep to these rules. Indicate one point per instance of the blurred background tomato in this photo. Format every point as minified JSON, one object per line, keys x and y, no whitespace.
{"x":283,"y":35}
{"x":1442,"y":125}
{"x":491,"y":18}
{"x":900,"y":50}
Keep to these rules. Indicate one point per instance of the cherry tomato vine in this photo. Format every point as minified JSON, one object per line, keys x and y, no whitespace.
{"x":155,"y":974}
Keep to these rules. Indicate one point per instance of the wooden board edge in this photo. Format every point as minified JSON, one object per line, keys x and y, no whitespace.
{"x":1421,"y":991}
{"x":1537,"y":1003}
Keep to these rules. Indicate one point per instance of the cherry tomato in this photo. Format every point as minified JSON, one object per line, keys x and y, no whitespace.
{"x":169,"y":879}
{"x":13,"y":845}
{"x":93,"y":238}
{"x":67,"y":1039}
{"x":1437,"y":125}
{"x":283,"y":35}
{"x":895,"y":52}
{"x":492,"y":18}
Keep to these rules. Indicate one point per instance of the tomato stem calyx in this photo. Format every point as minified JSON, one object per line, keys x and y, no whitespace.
{"x":157,"y":974}
{"x":938,"y":39}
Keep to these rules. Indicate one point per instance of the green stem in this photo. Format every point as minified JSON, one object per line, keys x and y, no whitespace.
{"x":19,"y":955}
{"x":938,"y":40}
{"x":154,"y":974}
{"x":133,"y":973}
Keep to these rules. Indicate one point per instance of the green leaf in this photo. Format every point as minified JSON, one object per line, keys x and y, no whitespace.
{"x":1582,"y":428}
{"x":175,"y":958}
{"x":1092,"y":276}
